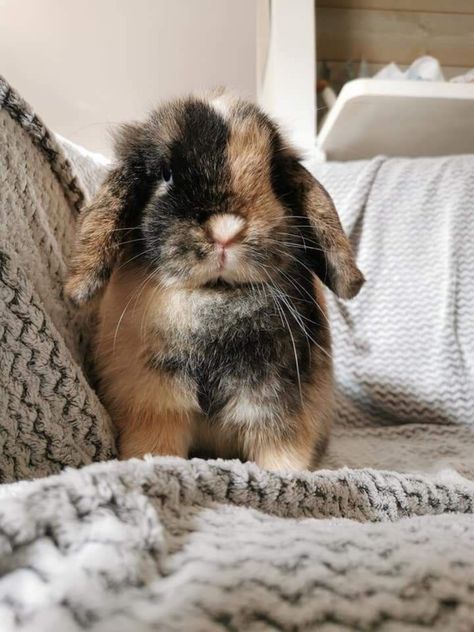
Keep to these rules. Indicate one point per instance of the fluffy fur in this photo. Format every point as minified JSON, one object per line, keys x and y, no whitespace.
{"x":208,"y":237}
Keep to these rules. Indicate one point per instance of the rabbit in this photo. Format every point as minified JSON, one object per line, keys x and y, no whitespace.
{"x":207,"y":246}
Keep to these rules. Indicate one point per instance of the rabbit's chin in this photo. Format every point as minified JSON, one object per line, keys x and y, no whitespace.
{"x":237,"y":273}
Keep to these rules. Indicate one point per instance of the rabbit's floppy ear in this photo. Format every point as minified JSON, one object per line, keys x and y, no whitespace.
{"x":329,"y":252}
{"x":103,"y":222}
{"x":98,"y":241}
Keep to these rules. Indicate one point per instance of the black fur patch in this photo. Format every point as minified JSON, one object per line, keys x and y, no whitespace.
{"x":199,"y":164}
{"x":199,"y":187}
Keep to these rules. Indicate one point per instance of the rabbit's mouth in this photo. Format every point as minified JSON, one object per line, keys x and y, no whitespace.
{"x":232,"y":267}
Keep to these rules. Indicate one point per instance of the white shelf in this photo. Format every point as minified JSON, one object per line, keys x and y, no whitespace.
{"x":399,"y":118}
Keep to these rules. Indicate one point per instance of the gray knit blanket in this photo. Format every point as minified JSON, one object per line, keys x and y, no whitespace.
{"x":382,"y":538}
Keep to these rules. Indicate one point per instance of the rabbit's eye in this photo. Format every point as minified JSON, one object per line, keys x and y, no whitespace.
{"x":166,"y":173}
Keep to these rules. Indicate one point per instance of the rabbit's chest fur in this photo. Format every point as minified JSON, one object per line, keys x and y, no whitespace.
{"x":229,"y":354}
{"x":220,"y":343}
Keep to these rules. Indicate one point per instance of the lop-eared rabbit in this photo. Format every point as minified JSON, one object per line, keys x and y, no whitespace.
{"x":207,"y":244}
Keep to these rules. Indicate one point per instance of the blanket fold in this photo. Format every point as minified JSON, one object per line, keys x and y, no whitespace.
{"x":170,"y":544}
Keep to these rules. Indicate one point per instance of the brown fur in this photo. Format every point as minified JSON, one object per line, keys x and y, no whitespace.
{"x":99,"y":240}
{"x":345,"y":278}
{"x":312,"y":426}
{"x":146,"y":432}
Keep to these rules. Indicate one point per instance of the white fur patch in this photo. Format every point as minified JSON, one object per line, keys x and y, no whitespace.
{"x":249,"y":406}
{"x":221,"y":105}
{"x":161,"y":188}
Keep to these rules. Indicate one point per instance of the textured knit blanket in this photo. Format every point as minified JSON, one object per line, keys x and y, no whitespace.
{"x":382,"y":538}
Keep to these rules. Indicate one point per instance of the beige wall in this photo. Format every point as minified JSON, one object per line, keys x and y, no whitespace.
{"x":86,"y":64}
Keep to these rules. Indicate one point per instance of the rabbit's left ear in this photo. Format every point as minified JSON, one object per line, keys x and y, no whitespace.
{"x":330,"y":254}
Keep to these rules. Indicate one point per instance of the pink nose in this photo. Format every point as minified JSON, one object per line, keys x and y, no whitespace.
{"x":225,"y":229}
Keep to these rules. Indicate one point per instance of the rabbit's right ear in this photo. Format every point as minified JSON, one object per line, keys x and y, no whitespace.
{"x":103,"y":222}
{"x":98,"y":241}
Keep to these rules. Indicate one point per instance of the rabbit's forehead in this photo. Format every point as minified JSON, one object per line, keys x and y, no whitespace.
{"x":249,"y":131}
{"x":249,"y":154}
{"x":248,"y":150}
{"x":226,"y":140}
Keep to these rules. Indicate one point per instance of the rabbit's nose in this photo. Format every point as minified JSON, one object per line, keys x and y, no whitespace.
{"x":225,"y":229}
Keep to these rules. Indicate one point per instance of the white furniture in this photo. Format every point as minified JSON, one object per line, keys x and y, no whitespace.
{"x":399,"y":118}
{"x":370,"y":117}
{"x":286,"y":66}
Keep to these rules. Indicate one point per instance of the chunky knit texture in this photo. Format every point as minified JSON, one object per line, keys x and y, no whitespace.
{"x":50,"y":417}
{"x":168,"y":544}
{"x":383,"y":539}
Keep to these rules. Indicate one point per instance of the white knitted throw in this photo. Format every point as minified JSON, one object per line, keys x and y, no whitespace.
{"x":381,"y":540}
